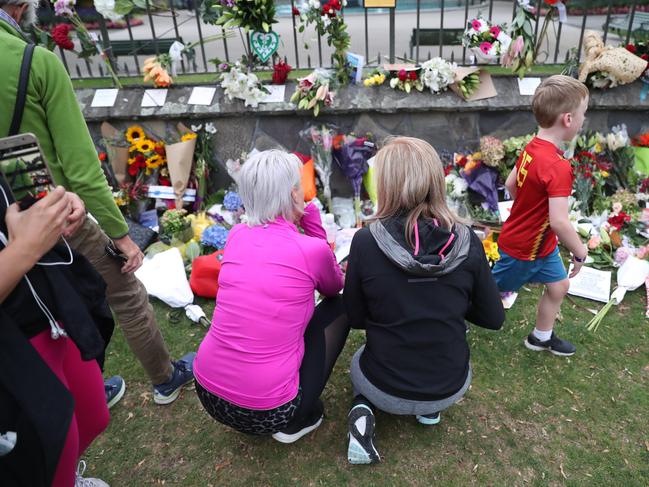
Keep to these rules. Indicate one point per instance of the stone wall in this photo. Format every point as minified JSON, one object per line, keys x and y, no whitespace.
{"x":443,"y":120}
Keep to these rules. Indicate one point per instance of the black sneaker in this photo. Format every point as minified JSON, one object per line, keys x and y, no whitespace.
{"x":300,"y":428}
{"x":554,"y":345}
{"x":361,"y":449}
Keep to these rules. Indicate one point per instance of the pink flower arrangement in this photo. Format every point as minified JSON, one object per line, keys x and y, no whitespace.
{"x":476,"y":24}
{"x":495,"y":31}
{"x":485,"y":47}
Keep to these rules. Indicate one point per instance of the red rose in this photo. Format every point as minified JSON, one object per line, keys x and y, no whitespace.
{"x":133,"y":170}
{"x":402,"y":75}
{"x":140,"y":161}
{"x":335,"y":4}
{"x":295,"y":11}
{"x":280,"y":72}
{"x":631,"y":48}
{"x":645,"y":57}
{"x":102,"y":156}
{"x":61,"y":36}
{"x":552,"y":2}
{"x":412,"y":75}
{"x":619,"y":220}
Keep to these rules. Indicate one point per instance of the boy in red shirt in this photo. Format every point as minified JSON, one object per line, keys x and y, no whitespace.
{"x":540,"y":184}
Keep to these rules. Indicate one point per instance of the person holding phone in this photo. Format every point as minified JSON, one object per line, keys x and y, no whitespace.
{"x":52,"y":114}
{"x":49,"y":342}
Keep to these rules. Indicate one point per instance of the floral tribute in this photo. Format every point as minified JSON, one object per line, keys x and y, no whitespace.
{"x":487,"y":41}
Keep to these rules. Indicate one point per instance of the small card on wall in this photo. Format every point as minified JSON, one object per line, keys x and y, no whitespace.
{"x":527,"y":86}
{"x":104,"y":98}
{"x":202,"y":95}
{"x":154,"y":98}
{"x":276,"y":94}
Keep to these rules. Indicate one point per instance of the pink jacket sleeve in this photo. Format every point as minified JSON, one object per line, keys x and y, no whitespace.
{"x":311,"y":223}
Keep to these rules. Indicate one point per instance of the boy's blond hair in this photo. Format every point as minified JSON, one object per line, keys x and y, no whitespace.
{"x":556,"y":95}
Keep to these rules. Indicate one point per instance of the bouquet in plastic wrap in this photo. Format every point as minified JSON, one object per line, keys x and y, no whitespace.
{"x":351,"y":154}
{"x":321,"y":138}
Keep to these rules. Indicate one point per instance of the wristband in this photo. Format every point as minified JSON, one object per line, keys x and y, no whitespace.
{"x":577,"y":259}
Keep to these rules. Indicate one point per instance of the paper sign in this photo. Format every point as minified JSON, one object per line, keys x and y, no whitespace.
{"x":154,"y":98}
{"x":104,"y":98}
{"x":344,"y":243}
{"x":276,"y":94}
{"x":527,"y":86}
{"x":167,"y":193}
{"x":202,"y":95}
{"x":356,"y":63}
{"x":591,"y":284}
{"x":508,"y":299}
{"x":505,"y":209}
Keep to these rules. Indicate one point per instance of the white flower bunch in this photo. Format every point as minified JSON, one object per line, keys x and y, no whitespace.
{"x":618,"y":138}
{"x":209,"y":128}
{"x":106,"y":9}
{"x":456,"y":186}
{"x":244,"y":86}
{"x":437,"y":74}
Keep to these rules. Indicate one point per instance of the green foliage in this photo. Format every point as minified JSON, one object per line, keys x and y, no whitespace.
{"x":250,"y":15}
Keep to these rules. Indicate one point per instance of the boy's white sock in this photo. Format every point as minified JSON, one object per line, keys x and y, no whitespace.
{"x":542,"y":335}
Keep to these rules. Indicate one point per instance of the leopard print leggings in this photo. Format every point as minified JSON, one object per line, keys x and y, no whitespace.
{"x":251,"y":421}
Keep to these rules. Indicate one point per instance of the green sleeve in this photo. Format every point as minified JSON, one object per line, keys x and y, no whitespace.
{"x":75,"y":148}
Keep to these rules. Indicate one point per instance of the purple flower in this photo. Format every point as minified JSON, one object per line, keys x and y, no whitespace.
{"x":352,"y":159}
{"x":215,"y":236}
{"x":63,"y":8}
{"x":228,"y":3}
{"x":232,"y":201}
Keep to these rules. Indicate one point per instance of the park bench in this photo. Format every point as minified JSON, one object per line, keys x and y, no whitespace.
{"x":432,"y":37}
{"x":141,"y":46}
{"x":620,"y":25}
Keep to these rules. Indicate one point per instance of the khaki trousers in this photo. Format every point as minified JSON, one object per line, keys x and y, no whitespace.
{"x":129,"y":301}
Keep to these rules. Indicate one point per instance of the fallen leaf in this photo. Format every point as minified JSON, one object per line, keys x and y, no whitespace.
{"x":562,"y":472}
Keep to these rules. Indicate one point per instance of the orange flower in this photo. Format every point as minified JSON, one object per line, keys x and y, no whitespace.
{"x":163,"y":79}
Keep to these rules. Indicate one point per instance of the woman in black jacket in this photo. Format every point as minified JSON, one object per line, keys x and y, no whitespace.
{"x":414,"y":275}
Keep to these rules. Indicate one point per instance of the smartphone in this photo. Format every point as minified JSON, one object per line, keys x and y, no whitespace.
{"x":23,"y":165}
{"x":112,"y":251}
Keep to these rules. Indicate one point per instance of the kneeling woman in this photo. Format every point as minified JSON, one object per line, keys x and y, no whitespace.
{"x":413,"y":277}
{"x":267,"y":356}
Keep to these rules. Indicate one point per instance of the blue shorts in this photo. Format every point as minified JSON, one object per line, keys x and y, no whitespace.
{"x":511,"y":274}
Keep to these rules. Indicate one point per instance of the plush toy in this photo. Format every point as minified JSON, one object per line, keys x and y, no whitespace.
{"x":620,"y":65}
{"x":204,"y":279}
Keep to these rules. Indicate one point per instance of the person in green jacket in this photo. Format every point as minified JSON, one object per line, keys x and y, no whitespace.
{"x":52,"y":113}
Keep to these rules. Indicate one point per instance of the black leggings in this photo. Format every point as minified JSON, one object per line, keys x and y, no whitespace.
{"x":324,"y":339}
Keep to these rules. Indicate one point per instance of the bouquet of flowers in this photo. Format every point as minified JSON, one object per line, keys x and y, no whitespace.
{"x":204,"y":160}
{"x":175,"y":225}
{"x":641,"y":149}
{"x":250,"y":15}
{"x":244,"y":86}
{"x":492,"y":151}
{"x":487,"y":41}
{"x":491,"y":250}
{"x":321,"y":139}
{"x":619,"y":151}
{"x":520,"y":54}
{"x":314,"y":92}
{"x":214,"y":238}
{"x":328,"y":19}
{"x":144,"y":154}
{"x":90,"y":43}
{"x":130,"y":197}
{"x":584,"y":170}
{"x":155,"y":69}
{"x":376,"y":78}
{"x":280,"y":72}
{"x":351,"y":154}
{"x":406,"y":80}
{"x":437,"y":74}
{"x":180,"y":155}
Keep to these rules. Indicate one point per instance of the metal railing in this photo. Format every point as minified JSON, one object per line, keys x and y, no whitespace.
{"x":381,"y":35}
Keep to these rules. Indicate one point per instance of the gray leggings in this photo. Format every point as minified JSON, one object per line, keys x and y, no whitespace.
{"x":396,"y":405}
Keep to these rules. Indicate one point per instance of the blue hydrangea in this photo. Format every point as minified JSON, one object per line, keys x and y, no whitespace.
{"x":215,"y":236}
{"x":232,"y":201}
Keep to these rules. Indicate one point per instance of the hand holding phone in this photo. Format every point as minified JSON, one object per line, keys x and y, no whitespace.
{"x":38,"y":228}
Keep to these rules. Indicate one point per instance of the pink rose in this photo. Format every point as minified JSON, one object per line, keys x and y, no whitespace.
{"x":485,"y":47}
{"x":594,"y":242}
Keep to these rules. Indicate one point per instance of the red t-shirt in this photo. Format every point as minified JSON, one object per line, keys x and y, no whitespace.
{"x":541,"y":173}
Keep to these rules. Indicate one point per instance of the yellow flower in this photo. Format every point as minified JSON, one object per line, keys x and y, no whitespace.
{"x":131,"y":160}
{"x":605,"y":174}
{"x":154,"y":161}
{"x":367,"y":82}
{"x":145,"y":145}
{"x":491,"y":249}
{"x":188,"y":136}
{"x":134,"y":133}
{"x":598,"y":148}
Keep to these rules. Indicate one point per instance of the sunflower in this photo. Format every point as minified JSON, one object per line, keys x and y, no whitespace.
{"x":188,"y":136}
{"x":154,"y":161}
{"x":145,"y":145}
{"x":134,"y":133}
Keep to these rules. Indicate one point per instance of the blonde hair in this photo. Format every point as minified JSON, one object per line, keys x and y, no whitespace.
{"x":266,"y":181}
{"x":557,"y":94}
{"x":410,"y":179}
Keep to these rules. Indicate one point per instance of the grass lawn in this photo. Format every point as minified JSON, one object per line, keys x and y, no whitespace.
{"x":528,"y":419}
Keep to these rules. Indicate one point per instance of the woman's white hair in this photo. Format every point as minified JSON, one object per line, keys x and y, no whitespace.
{"x":266,"y":182}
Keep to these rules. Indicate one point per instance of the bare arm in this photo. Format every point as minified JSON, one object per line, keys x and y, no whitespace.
{"x":561,"y":225}
{"x":510,"y":183}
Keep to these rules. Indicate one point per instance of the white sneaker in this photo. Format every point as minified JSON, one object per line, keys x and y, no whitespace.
{"x":85,"y":482}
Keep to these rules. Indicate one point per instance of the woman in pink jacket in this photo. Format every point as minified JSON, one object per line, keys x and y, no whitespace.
{"x":269,"y":352}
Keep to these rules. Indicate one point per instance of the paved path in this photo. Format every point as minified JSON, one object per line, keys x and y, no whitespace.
{"x":377,"y":34}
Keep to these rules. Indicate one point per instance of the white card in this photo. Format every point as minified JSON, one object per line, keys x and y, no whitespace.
{"x":154,"y":98}
{"x":104,"y":98}
{"x":505,"y":209}
{"x":591,"y":284}
{"x":527,"y":86}
{"x":202,"y":95}
{"x":276,"y":94}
